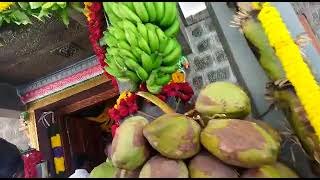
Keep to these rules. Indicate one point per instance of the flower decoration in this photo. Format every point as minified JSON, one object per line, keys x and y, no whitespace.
{"x":182,"y":91}
{"x":297,"y":71}
{"x":96,"y":23}
{"x":5,"y":5}
{"x":126,"y":105}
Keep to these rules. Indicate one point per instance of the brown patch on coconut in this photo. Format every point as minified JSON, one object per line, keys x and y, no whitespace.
{"x":212,"y":166}
{"x":188,"y":137}
{"x":239,"y":136}
{"x":138,"y":139}
{"x":162,"y":167}
{"x":205,"y":100}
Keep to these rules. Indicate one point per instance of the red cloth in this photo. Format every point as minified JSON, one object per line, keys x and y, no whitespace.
{"x":30,"y":160}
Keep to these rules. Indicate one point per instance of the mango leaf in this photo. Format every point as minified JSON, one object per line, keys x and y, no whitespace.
{"x":62,"y":4}
{"x":43,"y":13}
{"x":77,"y":6}
{"x":21,"y":17}
{"x":55,"y":7}
{"x":24,"y":5}
{"x":47,"y":5}
{"x":1,"y":20}
{"x":64,"y":16}
{"x":35,"y":5}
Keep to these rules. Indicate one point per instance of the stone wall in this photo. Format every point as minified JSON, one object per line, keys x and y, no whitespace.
{"x":208,"y":60}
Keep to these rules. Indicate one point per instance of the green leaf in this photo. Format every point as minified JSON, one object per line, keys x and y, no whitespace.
{"x":55,"y":7}
{"x":24,"y":5}
{"x":1,"y":20}
{"x":43,"y":13}
{"x":20,"y":17}
{"x":35,"y":5}
{"x":7,"y":19}
{"x":62,"y":4}
{"x":48,"y":5}
{"x":77,"y":6}
{"x":65,"y":17}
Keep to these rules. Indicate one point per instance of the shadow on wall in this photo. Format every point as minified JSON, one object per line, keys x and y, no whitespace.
{"x":9,"y":98}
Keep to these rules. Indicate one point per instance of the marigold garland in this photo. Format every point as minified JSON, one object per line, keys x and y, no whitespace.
{"x":96,"y":24}
{"x":297,"y":71}
{"x":5,"y":5}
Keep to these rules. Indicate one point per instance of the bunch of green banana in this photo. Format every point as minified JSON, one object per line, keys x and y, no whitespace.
{"x":136,"y":51}
{"x":162,"y":14}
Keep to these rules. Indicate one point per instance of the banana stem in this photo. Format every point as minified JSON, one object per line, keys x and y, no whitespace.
{"x":158,"y":102}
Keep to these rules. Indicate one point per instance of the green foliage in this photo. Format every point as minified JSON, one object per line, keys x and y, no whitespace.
{"x":21,"y":12}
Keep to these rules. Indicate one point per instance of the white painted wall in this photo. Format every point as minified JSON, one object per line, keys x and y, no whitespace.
{"x":191,"y":8}
{"x":9,"y":129}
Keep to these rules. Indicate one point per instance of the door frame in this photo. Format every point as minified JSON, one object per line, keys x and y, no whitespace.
{"x":86,"y":94}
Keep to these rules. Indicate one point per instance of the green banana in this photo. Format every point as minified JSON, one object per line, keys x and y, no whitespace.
{"x":129,"y":25}
{"x":141,"y":11}
{"x":142,"y":29}
{"x":113,"y":19}
{"x":130,"y":15}
{"x":132,"y":76}
{"x":169,"y":47}
{"x":125,"y":53}
{"x":136,"y":51}
{"x":147,"y":62}
{"x":131,"y":37}
{"x":153,"y":39}
{"x":130,"y":6}
{"x":159,"y":6}
{"x":115,"y":9}
{"x":120,"y":62}
{"x":173,"y":57}
{"x":169,"y":69}
{"x":150,"y":26}
{"x":112,"y":51}
{"x":143,"y":44}
{"x":169,"y":11}
{"x":117,"y":33}
{"x":157,"y":62}
{"x":151,"y":84}
{"x":173,"y":29}
{"x":124,"y":45}
{"x":162,"y":39}
{"x":134,"y":66}
{"x":172,"y":17}
{"x":108,"y":39}
{"x":113,"y":72}
{"x":163,"y":79}
{"x":151,"y":11}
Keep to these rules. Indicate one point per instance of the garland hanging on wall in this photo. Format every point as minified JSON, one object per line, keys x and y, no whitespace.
{"x":297,"y":71}
{"x":95,"y":16}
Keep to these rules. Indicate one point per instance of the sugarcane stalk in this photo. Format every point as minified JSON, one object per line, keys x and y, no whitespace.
{"x":285,"y":99}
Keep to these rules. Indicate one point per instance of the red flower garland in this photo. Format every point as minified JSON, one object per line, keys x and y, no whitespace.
{"x":96,"y":24}
{"x":127,"y":106}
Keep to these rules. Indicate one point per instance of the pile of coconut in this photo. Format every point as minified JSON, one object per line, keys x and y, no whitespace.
{"x":222,"y":143}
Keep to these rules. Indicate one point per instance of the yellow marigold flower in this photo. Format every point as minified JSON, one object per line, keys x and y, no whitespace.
{"x":86,"y":9}
{"x":297,"y":71}
{"x":178,"y":77}
{"x":55,"y":141}
{"x":123,"y":95}
{"x":5,"y":5}
{"x":256,"y":5}
{"x":59,"y":164}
